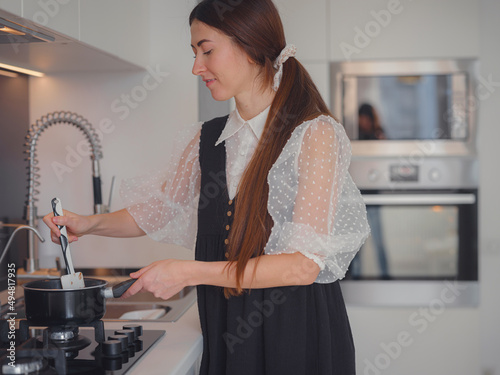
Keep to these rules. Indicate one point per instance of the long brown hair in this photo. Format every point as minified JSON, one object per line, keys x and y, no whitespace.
{"x":255,"y":25}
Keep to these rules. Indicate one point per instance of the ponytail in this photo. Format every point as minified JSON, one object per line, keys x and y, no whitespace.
{"x":255,"y":25}
{"x":297,"y":100}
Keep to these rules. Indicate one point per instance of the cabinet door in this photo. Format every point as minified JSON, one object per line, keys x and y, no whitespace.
{"x":120,"y":27}
{"x":381,"y":29}
{"x":59,"y":15}
{"x":305,"y":26}
{"x":15,"y":7}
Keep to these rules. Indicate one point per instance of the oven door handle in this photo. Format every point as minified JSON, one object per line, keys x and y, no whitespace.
{"x":418,"y":199}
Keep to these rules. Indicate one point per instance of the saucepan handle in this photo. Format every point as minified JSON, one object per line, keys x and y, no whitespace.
{"x":117,"y":290}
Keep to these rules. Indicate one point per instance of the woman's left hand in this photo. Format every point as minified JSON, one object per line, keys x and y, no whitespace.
{"x":163,"y":278}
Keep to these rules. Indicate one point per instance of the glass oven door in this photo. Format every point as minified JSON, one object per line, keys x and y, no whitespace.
{"x":420,"y":235}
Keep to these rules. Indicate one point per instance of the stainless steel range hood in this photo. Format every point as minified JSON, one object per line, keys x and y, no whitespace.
{"x":26,"y":44}
{"x":14,"y":33}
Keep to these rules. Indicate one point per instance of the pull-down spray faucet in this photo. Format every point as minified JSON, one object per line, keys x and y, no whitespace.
{"x":31,"y":141}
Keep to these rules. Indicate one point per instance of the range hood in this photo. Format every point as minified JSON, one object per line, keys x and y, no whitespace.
{"x":26,"y":44}
{"x":14,"y":33}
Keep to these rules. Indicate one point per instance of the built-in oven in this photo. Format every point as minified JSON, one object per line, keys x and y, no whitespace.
{"x":419,"y":235}
{"x":412,"y":126}
{"x":423,"y":216}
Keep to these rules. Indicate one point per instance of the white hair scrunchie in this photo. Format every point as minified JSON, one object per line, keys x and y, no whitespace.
{"x":288,"y":51}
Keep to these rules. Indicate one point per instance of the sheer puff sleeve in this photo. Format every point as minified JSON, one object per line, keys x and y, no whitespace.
{"x":165,"y":204}
{"x":316,"y":207}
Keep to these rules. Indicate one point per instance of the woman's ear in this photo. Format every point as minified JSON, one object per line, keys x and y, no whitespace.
{"x":250,"y":60}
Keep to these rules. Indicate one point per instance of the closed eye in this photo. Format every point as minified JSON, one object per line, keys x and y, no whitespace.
{"x":205,"y":53}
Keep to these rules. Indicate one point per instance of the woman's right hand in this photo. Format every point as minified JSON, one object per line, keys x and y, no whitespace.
{"x":76,"y":225}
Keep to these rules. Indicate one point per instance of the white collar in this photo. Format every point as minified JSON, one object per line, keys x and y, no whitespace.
{"x":235,"y":123}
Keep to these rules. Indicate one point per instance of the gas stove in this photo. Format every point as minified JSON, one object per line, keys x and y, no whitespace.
{"x":83,"y":349}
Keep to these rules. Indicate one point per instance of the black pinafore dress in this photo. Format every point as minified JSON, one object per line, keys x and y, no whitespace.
{"x":287,"y":330}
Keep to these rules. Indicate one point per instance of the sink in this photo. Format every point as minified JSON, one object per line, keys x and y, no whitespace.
{"x":136,"y":311}
{"x":137,"y":305}
{"x":147,"y":307}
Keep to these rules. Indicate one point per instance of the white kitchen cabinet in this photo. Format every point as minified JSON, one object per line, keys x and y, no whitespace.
{"x":385,"y":29}
{"x":120,"y":27}
{"x":59,"y":15}
{"x":305,"y":24}
{"x":15,"y":7}
{"x":319,"y":72}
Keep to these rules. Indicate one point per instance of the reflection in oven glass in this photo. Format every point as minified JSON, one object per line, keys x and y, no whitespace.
{"x":417,"y":242}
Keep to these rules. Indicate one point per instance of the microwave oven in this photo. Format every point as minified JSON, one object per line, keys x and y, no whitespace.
{"x":401,"y":102}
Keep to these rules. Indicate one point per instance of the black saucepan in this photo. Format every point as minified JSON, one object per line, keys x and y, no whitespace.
{"x":48,"y":304}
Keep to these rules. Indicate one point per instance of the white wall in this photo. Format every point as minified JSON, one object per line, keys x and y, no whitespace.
{"x":386,"y":29}
{"x":137,"y":134}
{"x":489,"y":208}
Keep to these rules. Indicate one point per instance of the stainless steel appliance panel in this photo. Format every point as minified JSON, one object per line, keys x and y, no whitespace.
{"x":419,"y":235}
{"x":413,"y":100}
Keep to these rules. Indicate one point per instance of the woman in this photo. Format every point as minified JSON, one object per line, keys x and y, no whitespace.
{"x":369,"y":123}
{"x":266,"y":195}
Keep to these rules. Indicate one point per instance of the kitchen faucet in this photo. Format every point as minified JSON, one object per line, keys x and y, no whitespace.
{"x":32,"y":263}
{"x":18,"y":228}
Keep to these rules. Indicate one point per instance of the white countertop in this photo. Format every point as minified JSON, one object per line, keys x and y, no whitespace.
{"x":176,"y":352}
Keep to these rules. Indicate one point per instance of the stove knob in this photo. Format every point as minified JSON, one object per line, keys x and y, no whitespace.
{"x":122,"y":338}
{"x":127,"y":332}
{"x":111,"y":348}
{"x":125,"y":356}
{"x":131,"y":351}
{"x":112,"y":364}
{"x":138,"y":345}
{"x":434,"y":175}
{"x":373,"y":175}
{"x":136,"y":328}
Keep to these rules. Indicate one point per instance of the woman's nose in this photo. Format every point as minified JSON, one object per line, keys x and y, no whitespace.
{"x":198,"y":67}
